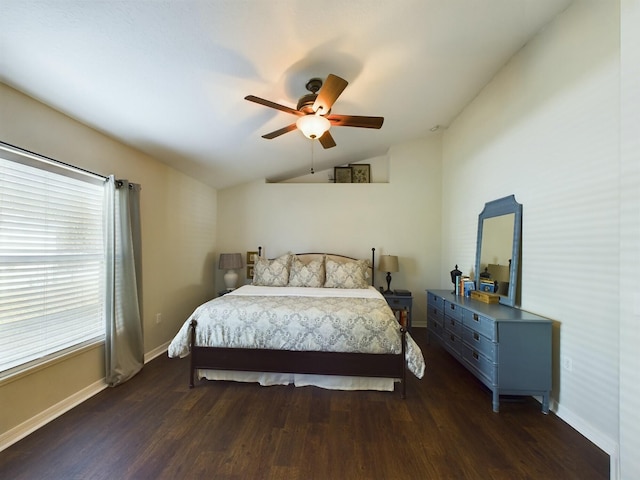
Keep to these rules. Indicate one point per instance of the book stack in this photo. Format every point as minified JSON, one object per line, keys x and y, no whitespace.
{"x":464,"y":285}
{"x":487,"y":285}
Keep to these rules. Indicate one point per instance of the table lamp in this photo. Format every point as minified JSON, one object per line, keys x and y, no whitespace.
{"x":388,"y":263}
{"x":230,"y":262}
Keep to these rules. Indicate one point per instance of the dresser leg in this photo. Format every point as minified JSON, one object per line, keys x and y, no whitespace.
{"x":496,"y":401}
{"x":545,"y":403}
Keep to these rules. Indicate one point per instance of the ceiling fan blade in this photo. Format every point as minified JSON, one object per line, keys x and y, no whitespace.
{"x":331,"y":89}
{"x":277,"y":106}
{"x":326,"y":140}
{"x":282,"y":131}
{"x":355,"y":121}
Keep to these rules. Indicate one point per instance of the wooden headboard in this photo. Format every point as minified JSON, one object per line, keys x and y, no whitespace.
{"x":337,"y":257}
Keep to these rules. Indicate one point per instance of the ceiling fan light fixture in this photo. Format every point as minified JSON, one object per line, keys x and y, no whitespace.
{"x":313,"y":126}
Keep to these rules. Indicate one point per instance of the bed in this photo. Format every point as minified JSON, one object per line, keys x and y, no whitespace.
{"x":307,"y":319}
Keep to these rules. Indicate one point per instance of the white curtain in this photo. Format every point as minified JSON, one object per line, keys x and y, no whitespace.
{"x":124,"y":342}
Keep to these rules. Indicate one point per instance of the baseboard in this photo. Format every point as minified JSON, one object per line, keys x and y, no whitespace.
{"x":602,"y":441}
{"x":19,"y":432}
{"x":156,"y":352}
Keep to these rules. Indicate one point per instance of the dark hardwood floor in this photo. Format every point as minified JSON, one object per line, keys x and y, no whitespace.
{"x":154,"y":427}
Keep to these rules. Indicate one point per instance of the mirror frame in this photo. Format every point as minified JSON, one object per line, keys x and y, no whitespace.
{"x":496,"y":208}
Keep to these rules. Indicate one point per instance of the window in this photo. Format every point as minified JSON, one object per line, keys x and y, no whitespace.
{"x":52,"y":257}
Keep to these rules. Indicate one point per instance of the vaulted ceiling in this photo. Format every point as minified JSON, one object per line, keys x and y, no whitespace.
{"x":169,"y":77}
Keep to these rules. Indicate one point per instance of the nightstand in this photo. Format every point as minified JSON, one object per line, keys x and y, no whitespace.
{"x":401,"y":304}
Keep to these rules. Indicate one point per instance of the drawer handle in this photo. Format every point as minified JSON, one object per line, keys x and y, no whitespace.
{"x":476,"y":336}
{"x":475,"y":355}
{"x":452,"y":321}
{"x":452,"y":306}
{"x":453,"y":339}
{"x":475,"y":317}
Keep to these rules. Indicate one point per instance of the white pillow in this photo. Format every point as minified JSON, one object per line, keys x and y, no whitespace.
{"x":352,"y":274}
{"x":306,"y":274}
{"x":272,"y":273}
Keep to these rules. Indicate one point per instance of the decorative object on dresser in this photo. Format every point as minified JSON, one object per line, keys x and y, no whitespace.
{"x":230,"y":262}
{"x":401,"y":303}
{"x":485,"y":297}
{"x":455,"y":273}
{"x":389,"y":263}
{"x":507,"y":349}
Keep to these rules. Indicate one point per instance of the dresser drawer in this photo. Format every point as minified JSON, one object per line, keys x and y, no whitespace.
{"x":453,"y":325}
{"x":435,"y":301}
{"x":453,"y":310}
{"x":453,"y":343}
{"x":435,"y":313}
{"x":435,"y":328}
{"x":480,"y":364}
{"x":398,"y":303}
{"x":479,"y":323}
{"x":480,"y":343}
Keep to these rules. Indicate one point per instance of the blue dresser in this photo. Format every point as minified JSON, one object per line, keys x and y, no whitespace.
{"x":507,"y":349}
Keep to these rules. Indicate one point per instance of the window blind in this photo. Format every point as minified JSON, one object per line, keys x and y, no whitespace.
{"x":52,"y":256}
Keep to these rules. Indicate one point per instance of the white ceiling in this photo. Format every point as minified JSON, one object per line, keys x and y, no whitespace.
{"x":169,"y":77}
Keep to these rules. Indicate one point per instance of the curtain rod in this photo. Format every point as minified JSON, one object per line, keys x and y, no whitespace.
{"x":52,"y":160}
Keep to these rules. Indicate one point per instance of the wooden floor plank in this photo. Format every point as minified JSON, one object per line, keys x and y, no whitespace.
{"x":154,"y":426}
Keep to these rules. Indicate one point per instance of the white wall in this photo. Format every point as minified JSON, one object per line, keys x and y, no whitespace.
{"x":630,"y":241}
{"x":546,"y":129}
{"x":178,"y":216}
{"x":401,"y":217}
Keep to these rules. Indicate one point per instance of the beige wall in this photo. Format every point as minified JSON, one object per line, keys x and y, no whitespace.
{"x":401,"y":217}
{"x":178,"y":240}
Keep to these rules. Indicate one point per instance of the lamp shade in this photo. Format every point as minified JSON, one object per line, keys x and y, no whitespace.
{"x":313,"y":126}
{"x":230,"y":261}
{"x":388,"y":263}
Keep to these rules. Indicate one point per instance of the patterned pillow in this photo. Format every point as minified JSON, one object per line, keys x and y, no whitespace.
{"x":272,"y":273}
{"x":346,"y":275}
{"x":306,"y":274}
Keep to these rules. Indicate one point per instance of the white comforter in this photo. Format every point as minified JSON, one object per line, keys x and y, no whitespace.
{"x":291,"y":318}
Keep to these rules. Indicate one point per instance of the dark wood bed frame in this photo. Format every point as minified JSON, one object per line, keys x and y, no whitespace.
{"x":285,"y":361}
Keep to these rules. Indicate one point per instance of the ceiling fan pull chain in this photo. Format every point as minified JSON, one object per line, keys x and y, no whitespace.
{"x":312,"y":172}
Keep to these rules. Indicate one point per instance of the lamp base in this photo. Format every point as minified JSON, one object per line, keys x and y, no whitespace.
{"x":231,"y":280}
{"x":388,"y":291}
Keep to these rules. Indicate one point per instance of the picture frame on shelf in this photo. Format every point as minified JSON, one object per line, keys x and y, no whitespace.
{"x":360,"y":173}
{"x":251,"y":258}
{"x":343,"y":174}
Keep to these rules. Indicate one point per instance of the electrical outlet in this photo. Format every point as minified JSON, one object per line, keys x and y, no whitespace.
{"x":567,"y":364}
{"x":158,"y":318}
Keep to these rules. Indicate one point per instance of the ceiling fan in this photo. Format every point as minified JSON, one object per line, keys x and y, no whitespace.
{"x":314,"y":112}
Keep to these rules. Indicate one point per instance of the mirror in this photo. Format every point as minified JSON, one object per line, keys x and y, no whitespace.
{"x":498,"y":248}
